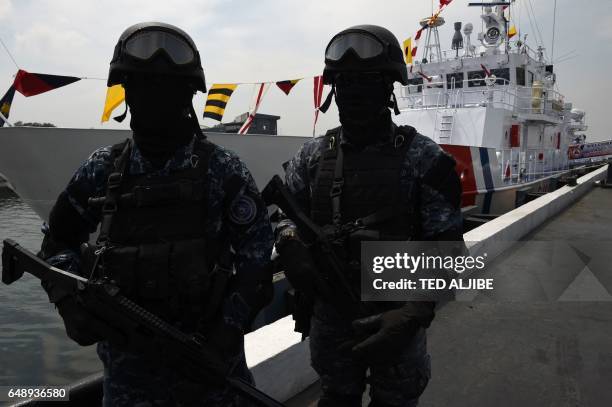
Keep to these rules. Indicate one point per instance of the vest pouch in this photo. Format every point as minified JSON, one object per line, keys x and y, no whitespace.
{"x":120,"y":265}
{"x":190,"y":268}
{"x":152,"y":274}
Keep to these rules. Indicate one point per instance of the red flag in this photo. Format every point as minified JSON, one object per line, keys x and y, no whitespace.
{"x":318,"y":94}
{"x":486,"y":71}
{"x":286,"y":86}
{"x":444,"y":3}
{"x":31,"y":84}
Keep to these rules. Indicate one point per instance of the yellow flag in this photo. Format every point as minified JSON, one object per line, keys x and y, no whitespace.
{"x":408,"y":50}
{"x":512,"y":32}
{"x":114,"y":96}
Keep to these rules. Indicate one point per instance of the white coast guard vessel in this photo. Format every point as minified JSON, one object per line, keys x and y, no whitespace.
{"x":491,"y":103}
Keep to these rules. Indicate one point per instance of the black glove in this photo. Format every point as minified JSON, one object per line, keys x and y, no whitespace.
{"x":226,"y":339}
{"x":83,"y":327}
{"x":298,"y":265}
{"x":388,"y":333}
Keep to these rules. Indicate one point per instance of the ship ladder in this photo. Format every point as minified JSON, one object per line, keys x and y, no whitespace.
{"x":446,"y":125}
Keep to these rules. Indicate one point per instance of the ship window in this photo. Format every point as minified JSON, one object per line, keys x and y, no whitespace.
{"x":415,"y":85}
{"x":529,"y":78}
{"x":503,"y":75}
{"x":458,"y":80}
{"x":520,"y":76}
{"x":475,"y":78}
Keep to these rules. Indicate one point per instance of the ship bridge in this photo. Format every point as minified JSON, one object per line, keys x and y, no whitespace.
{"x":513,"y":82}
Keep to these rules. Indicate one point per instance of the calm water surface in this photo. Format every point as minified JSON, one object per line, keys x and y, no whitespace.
{"x":34,"y":348}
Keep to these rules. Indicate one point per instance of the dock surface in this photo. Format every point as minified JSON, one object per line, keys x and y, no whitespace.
{"x":528,"y":353}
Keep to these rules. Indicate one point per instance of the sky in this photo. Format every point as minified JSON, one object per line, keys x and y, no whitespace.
{"x":271,"y":40}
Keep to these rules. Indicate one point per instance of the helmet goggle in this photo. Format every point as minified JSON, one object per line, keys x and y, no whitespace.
{"x":365,"y":46}
{"x":145,"y":44}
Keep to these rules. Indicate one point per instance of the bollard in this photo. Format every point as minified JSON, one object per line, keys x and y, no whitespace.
{"x":607,"y":182}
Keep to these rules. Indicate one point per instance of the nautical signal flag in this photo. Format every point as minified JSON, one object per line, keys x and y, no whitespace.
{"x":5,"y":104}
{"x":31,"y":84}
{"x":318,"y":94}
{"x":218,"y":96}
{"x":260,"y":91}
{"x":511,"y":32}
{"x":286,"y":86}
{"x":408,"y":50}
{"x":115,"y":95}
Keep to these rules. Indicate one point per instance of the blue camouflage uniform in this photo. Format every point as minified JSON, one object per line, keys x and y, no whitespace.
{"x":342,"y":376}
{"x":128,"y":379}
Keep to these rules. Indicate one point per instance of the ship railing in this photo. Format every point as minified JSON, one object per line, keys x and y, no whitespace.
{"x":531,"y":100}
{"x":451,"y":55}
{"x":519,"y":166}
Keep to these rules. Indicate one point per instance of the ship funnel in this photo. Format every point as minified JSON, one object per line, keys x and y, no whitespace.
{"x":457,"y":38}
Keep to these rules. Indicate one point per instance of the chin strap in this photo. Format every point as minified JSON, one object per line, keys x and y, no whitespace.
{"x":122,"y":116}
{"x":393,"y":104}
{"x":196,"y":124}
{"x":323,"y":108}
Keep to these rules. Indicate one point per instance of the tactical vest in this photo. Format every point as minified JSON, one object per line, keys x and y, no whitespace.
{"x":153,"y":239}
{"x":359,"y":192}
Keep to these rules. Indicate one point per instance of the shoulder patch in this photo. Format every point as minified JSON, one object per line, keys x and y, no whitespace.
{"x":243,"y":210}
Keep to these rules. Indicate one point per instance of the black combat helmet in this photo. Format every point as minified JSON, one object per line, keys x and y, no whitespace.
{"x":156,"y":48}
{"x":365,"y":48}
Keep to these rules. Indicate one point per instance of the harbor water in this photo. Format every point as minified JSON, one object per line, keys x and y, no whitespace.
{"x":34,"y":348}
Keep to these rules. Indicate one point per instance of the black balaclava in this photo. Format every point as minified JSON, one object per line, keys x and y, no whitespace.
{"x":363,"y":101}
{"x":160,"y":108}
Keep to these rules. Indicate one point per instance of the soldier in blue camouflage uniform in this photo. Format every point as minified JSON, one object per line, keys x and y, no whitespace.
{"x":357,"y":170}
{"x":182,"y":202}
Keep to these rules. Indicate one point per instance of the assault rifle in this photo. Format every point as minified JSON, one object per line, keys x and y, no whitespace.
{"x":347,"y":301}
{"x":145,"y":333}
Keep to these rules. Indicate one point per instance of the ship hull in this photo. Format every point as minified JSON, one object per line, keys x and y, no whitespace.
{"x":39,"y":162}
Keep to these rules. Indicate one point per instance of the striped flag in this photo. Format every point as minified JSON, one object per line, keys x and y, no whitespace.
{"x":318,"y":94}
{"x":5,"y":104}
{"x":31,"y":84}
{"x":261,"y":91}
{"x":218,"y":96}
{"x":286,"y":86}
{"x":115,"y":95}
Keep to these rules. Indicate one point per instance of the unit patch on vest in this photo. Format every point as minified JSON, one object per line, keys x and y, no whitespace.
{"x":243,"y":210}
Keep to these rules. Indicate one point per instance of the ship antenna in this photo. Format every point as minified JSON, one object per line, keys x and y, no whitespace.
{"x":552,"y":48}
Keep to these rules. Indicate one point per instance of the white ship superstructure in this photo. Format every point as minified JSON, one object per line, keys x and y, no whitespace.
{"x":492,"y":104}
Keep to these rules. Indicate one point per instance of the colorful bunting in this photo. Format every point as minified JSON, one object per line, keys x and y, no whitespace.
{"x":218,"y":96}
{"x":5,"y":104}
{"x":115,"y":95}
{"x":31,"y":84}
{"x":286,"y":86}
{"x":263,"y":88}
{"x":408,"y":51}
{"x":318,"y":93}
{"x":419,"y":33}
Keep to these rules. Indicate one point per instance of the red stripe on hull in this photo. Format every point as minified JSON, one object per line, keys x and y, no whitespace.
{"x":465,"y":170}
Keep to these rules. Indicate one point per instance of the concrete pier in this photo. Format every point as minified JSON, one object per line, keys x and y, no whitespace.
{"x":540,"y":354}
